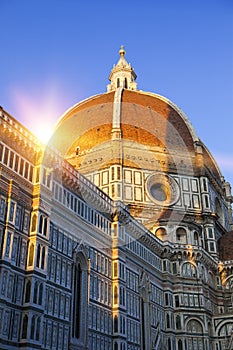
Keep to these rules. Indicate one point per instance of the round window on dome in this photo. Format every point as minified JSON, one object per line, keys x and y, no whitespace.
{"x":162,"y":189}
{"x":159,"y":192}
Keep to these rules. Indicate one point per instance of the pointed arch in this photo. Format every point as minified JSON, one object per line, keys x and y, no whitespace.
{"x":27,"y":292}
{"x":40,"y":297}
{"x":31,"y":254}
{"x":24,"y":327}
{"x":80,"y":296}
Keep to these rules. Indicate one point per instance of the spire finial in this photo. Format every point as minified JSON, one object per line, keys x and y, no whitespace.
{"x":122,"y":51}
{"x":122,"y":74}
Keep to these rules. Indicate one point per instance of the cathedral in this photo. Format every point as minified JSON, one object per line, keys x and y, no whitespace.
{"x":116,"y":234}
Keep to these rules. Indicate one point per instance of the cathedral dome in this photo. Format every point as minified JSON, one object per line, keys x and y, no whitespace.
{"x":129,"y":127}
{"x":140,"y":148}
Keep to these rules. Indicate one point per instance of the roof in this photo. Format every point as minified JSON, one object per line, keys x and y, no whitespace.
{"x":140,"y":122}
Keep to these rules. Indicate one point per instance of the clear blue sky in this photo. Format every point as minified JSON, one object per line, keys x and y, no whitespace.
{"x":55,"y":53}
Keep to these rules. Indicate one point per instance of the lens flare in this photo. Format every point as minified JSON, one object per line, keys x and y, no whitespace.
{"x":39,"y":110}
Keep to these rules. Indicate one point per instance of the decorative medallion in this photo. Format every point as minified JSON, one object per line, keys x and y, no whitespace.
{"x":162,"y":189}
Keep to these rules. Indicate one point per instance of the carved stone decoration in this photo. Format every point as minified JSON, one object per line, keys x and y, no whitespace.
{"x":80,"y":248}
{"x":162,"y":189}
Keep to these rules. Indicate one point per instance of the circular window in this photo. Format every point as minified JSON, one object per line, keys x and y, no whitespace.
{"x":159,"y":192}
{"x":162,"y":189}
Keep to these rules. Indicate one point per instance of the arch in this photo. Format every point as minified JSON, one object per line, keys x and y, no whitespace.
{"x":189,"y":270}
{"x":33,"y":322}
{"x":31,"y":254}
{"x":224,"y":329}
{"x":115,"y":326}
{"x":43,"y":258}
{"x":38,"y":256}
{"x":229,"y":283}
{"x":34,"y":221}
{"x":168,"y":320}
{"x":27,"y":292}
{"x":178,"y":322}
{"x":194,"y":326}
{"x":195,"y":238}
{"x":79,"y":297}
{"x":40,"y":298}
{"x":38,"y":328}
{"x":161,"y":233}
{"x":35,"y":292}
{"x":180,"y":344}
{"x":24,"y":327}
{"x":195,"y":334}
{"x":45,"y":226}
{"x":181,"y":235}
{"x":41,"y":223}
{"x":115,"y":295}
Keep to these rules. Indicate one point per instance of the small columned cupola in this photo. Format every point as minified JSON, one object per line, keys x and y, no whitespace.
{"x":122,"y":74}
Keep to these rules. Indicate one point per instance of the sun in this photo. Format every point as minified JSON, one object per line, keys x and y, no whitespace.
{"x":43,"y":132}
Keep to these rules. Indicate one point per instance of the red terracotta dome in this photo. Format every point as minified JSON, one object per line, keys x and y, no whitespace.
{"x":130,"y":127}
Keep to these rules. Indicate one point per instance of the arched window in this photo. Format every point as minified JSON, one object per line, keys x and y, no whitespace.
{"x":189,"y":270}
{"x":35,"y":292}
{"x":45,"y":226}
{"x":24,"y":327}
{"x":195,"y":238}
{"x":27,"y":292}
{"x":43,"y":258}
{"x":115,"y":326}
{"x":194,"y":326}
{"x":31,"y":254}
{"x":122,"y":296}
{"x":194,"y":335}
{"x":168,"y":320}
{"x":38,"y":329}
{"x":225,"y":331}
{"x":161,"y":233}
{"x":38,"y":256}
{"x":40,"y":294}
{"x":126,"y":84}
{"x":115,"y":346}
{"x":79,"y":298}
{"x":118,"y":82}
{"x":115,"y":295}
{"x":178,"y":322}
{"x":33,"y":327}
{"x":41,"y":223}
{"x":34,"y":219}
{"x":181,"y":235}
{"x":180,"y":345}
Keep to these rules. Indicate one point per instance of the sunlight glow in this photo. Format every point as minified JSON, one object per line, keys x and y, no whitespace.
{"x":39,"y":110}
{"x":43,"y":132}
